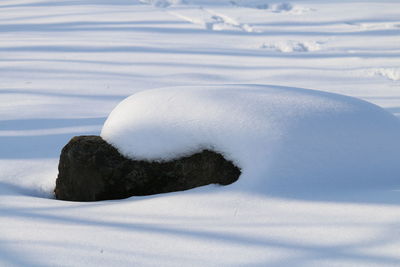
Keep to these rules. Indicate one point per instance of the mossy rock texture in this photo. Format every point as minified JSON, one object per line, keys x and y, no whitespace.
{"x":91,"y":169}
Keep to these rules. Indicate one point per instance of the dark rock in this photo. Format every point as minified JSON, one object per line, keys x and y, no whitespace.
{"x":90,"y":169}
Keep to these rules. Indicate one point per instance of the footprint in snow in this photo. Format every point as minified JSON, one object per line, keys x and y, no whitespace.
{"x":293,"y":46}
{"x":162,"y":3}
{"x":274,"y":8}
{"x":388,"y":73}
{"x":375,"y":26}
{"x":211,"y":20}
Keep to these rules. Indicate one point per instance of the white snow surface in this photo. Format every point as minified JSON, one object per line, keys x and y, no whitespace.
{"x":276,"y":135}
{"x":65,"y":65}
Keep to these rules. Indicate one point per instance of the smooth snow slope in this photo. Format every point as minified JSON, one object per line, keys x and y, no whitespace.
{"x":65,"y":65}
{"x":277,"y":135}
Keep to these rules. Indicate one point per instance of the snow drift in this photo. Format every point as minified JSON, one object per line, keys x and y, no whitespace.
{"x":282,"y":138}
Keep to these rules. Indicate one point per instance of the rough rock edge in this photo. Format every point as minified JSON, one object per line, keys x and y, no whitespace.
{"x":90,"y":169}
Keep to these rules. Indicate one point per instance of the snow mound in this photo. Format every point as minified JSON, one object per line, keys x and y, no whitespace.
{"x":282,"y":138}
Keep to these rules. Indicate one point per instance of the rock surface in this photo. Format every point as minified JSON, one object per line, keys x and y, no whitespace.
{"x":90,"y":169}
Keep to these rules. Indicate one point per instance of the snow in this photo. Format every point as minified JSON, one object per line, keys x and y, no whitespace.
{"x":392,"y":74}
{"x":279,"y":135}
{"x":65,"y":65}
{"x":293,"y":46}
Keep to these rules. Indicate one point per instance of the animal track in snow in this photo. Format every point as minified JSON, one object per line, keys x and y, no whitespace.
{"x":293,"y":46}
{"x":162,"y":3}
{"x":208,"y":19}
{"x":275,"y":8}
{"x":221,"y":22}
{"x":389,"y":73}
{"x":214,"y":21}
{"x":376,"y":25}
{"x":283,"y":7}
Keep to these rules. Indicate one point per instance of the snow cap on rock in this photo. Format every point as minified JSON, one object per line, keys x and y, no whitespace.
{"x":281,"y":137}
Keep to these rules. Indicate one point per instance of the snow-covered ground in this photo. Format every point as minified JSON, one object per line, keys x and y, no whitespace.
{"x":65,"y":65}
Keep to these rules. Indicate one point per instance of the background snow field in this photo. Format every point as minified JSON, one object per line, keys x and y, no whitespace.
{"x":326,"y":192}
